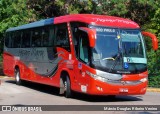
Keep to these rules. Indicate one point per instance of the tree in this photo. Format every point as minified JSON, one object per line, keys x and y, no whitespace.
{"x":140,"y":11}
{"x":13,"y":13}
{"x":53,"y":8}
{"x":153,"y":58}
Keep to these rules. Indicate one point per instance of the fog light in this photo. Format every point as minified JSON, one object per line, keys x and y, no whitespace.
{"x":99,"y":88}
{"x":143,"y":89}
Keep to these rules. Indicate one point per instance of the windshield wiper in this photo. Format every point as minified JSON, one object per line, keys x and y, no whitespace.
{"x":116,"y":60}
{"x":118,"y":55}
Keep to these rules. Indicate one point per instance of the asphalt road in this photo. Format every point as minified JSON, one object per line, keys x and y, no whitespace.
{"x":37,"y":94}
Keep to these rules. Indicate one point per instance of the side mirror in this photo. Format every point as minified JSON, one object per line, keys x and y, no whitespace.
{"x":91,"y":34}
{"x":154,"y":39}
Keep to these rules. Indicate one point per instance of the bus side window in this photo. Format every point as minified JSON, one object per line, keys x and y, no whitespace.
{"x":51,"y":36}
{"x":7,"y":40}
{"x":12,"y":35}
{"x":45,"y":37}
{"x":83,"y":47}
{"x":74,"y":27}
{"x":62,"y":39}
{"x":37,"y":37}
{"x":10,"y":39}
{"x":17,"y":39}
{"x":25,"y":39}
{"x":75,"y":39}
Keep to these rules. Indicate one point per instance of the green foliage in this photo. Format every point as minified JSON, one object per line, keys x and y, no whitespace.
{"x":153,"y":58}
{"x":12,"y":13}
{"x":154,"y":80}
{"x":112,"y":7}
{"x":52,"y":8}
{"x":139,"y":11}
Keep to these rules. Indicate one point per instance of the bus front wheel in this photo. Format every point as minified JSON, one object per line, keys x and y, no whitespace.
{"x":67,"y":86}
{"x":17,"y":76}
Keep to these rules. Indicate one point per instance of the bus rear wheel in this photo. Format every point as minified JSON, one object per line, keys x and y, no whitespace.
{"x":67,"y":86}
{"x":17,"y":77}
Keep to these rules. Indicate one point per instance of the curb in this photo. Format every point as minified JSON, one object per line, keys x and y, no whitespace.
{"x":150,"y":89}
{"x":6,"y":77}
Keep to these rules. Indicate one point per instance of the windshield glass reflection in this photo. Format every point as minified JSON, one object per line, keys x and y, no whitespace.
{"x":118,"y":50}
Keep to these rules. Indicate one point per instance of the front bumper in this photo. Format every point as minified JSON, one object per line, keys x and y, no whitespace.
{"x":102,"y":88}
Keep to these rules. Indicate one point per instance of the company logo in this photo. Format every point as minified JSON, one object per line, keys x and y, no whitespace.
{"x":21,"y":108}
{"x":123,"y":82}
{"x":6,"y":108}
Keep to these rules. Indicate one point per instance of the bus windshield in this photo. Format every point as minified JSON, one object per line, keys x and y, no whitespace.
{"x":118,"y":50}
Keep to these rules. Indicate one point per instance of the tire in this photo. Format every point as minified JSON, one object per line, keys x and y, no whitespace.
{"x":67,"y":85}
{"x":111,"y":96}
{"x":17,"y":77}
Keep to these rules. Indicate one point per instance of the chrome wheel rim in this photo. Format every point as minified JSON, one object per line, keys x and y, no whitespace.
{"x":17,"y":76}
{"x":65,"y":85}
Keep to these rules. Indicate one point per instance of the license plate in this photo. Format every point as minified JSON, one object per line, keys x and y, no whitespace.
{"x":123,"y":90}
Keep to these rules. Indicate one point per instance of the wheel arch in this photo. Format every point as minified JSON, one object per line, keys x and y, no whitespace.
{"x":16,"y":67}
{"x":63,"y":75}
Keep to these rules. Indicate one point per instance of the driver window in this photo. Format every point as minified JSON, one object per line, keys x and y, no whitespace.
{"x":83,"y":47}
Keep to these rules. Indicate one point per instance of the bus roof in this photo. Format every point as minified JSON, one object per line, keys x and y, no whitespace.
{"x":101,"y":20}
{"x":34,"y":24}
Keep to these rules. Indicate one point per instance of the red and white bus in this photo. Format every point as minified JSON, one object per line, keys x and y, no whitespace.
{"x":92,"y":54}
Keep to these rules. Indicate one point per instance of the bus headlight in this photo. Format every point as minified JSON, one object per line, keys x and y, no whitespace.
{"x":96,"y":77}
{"x":143,"y":79}
{"x":90,"y":74}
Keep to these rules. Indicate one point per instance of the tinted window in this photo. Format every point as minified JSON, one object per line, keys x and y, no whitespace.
{"x":45,"y":37}
{"x":37,"y":37}
{"x":83,"y":47}
{"x":16,"y":39}
{"x":26,"y":38}
{"x":74,"y":27}
{"x":51,"y":35}
{"x":12,"y":37}
{"x":7,"y":39}
{"x":62,"y":39}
